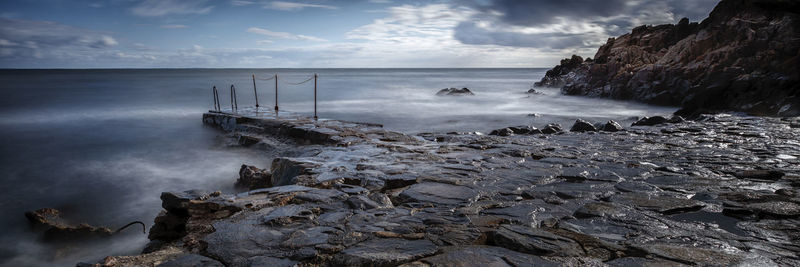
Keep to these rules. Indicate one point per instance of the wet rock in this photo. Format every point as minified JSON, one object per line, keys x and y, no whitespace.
{"x":662,"y":204}
{"x":582,"y":126}
{"x":676,"y":119}
{"x":287,"y":171}
{"x":534,"y":241}
{"x":599,"y":209}
{"x":455,"y":92}
{"x":482,"y":256}
{"x":321,"y":196}
{"x":287,"y":214}
{"x":612,"y":126}
{"x":252,"y":178}
{"x":552,"y":128}
{"x":178,"y":202}
{"x":533,"y":92}
{"x":760,"y":175}
{"x":270,"y":261}
{"x":502,"y":132}
{"x":650,"y":121}
{"x":385,"y":252}
{"x":56,"y":229}
{"x":691,"y":255}
{"x":438,"y":193}
{"x":191,"y":260}
{"x":636,"y":261}
{"x":399,"y":181}
{"x":362,"y":202}
{"x":524,"y":129}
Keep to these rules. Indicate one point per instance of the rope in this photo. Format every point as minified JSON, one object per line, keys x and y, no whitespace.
{"x":270,"y":78}
{"x":309,"y":79}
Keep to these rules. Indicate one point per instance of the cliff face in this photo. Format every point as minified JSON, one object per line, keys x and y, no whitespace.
{"x":743,"y":57}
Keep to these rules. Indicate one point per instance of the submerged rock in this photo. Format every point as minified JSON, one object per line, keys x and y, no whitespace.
{"x":455,"y":92}
{"x":552,"y":128}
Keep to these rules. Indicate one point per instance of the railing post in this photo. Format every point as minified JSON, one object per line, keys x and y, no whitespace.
{"x":234,"y":104}
{"x":315,"y":96}
{"x":255,"y":92}
{"x":276,"y":94}
{"x":215,"y":95}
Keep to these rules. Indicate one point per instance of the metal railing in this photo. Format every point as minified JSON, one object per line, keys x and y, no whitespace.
{"x":234,"y":100}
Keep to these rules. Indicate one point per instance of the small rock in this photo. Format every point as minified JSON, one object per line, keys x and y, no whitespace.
{"x":650,"y":121}
{"x":552,"y":128}
{"x":582,"y":126}
{"x":612,"y":126}
{"x":502,"y":132}
{"x":455,"y":91}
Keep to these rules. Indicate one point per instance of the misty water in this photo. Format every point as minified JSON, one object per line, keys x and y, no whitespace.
{"x":101,"y":145}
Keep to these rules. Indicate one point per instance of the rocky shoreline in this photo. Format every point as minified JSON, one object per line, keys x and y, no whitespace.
{"x":743,"y":57}
{"x":717,"y":190}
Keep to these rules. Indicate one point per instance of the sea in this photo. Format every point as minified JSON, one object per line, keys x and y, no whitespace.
{"x":100,"y":145}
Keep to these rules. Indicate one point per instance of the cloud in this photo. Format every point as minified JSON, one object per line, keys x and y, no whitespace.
{"x":242,"y":3}
{"x":284,"y":35}
{"x":293,"y":6}
{"x":26,"y":39}
{"x":576,"y":24}
{"x":174,"y":26}
{"x":264,"y":42}
{"x":156,"y":8}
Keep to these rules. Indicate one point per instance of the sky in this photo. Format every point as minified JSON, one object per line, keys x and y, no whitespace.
{"x":318,"y":33}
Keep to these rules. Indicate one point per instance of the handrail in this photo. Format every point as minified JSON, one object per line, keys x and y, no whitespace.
{"x":234,"y":102}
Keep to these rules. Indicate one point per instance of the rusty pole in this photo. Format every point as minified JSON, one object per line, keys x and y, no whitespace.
{"x":315,"y":96}
{"x":276,"y":94}
{"x":255,"y":92}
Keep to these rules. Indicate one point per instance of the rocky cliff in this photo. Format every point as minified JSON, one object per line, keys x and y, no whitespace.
{"x":743,"y":57}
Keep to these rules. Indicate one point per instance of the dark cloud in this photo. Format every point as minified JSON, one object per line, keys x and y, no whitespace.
{"x":603,"y":18}
{"x":26,"y":39}
{"x":469,"y":33}
{"x":522,"y":12}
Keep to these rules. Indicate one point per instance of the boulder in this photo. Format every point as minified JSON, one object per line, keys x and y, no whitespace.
{"x":56,"y":229}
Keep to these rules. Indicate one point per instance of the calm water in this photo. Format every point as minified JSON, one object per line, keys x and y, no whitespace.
{"x":101,"y":145}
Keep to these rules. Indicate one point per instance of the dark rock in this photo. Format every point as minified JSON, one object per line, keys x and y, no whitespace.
{"x":438,"y":193}
{"x":582,"y":126}
{"x":385,"y":252}
{"x":464,"y":256}
{"x":556,"y":77}
{"x":399,"y":181}
{"x":552,"y":128}
{"x":59,"y":230}
{"x":524,"y":129}
{"x":455,"y":91}
{"x":662,"y":204}
{"x":534,"y":241}
{"x":650,"y":121}
{"x":612,"y":126}
{"x":502,"y":132}
{"x":676,"y":119}
{"x":286,"y":171}
{"x":723,"y":63}
{"x":533,"y":92}
{"x":760,"y":175}
{"x":287,"y":214}
{"x":191,"y":260}
{"x":252,"y":178}
{"x":178,"y":202}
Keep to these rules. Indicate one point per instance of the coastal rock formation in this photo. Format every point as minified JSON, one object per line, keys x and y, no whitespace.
{"x":744,"y":57}
{"x":667,"y":194}
{"x":455,"y":92}
{"x":253,"y":178}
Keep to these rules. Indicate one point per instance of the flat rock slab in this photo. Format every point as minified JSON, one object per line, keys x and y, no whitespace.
{"x":385,"y":252}
{"x":535,"y":241}
{"x":662,"y":204}
{"x":483,"y":256}
{"x":439,"y":193}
